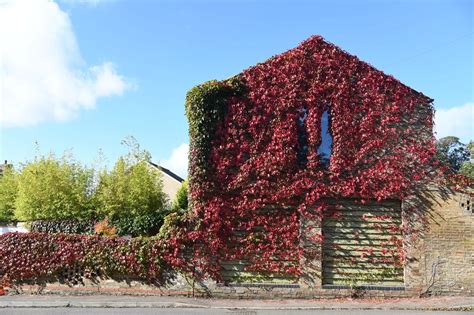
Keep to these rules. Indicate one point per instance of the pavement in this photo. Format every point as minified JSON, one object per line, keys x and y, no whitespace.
{"x":194,"y":311}
{"x":445,"y":303}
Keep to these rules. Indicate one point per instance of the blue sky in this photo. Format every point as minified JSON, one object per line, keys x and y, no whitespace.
{"x":128,"y":64}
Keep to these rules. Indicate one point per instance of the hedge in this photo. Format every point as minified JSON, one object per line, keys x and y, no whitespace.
{"x":39,"y":255}
{"x":63,"y":226}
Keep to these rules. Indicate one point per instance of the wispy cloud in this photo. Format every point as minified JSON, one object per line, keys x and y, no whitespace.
{"x":178,"y":160}
{"x":455,"y":121}
{"x":86,"y":2}
{"x":42,"y":73}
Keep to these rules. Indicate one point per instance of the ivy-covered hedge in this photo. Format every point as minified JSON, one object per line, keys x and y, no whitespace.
{"x":36,"y":255}
{"x":63,"y":226}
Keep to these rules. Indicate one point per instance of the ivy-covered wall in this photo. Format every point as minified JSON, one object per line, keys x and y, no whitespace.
{"x":248,"y":183}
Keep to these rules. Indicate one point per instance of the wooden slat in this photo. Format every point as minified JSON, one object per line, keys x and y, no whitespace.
{"x":358,"y":246}
{"x":364,"y":208}
{"x":354,"y":231}
{"x":328,"y":236}
{"x":359,"y":242}
{"x":357,"y":254}
{"x":361,"y":261}
{"x":365,"y":271}
{"x":361,"y":225}
{"x":358,"y":266}
{"x":367,"y":220}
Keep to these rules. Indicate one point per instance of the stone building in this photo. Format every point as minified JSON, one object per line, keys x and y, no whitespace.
{"x":316,"y":128}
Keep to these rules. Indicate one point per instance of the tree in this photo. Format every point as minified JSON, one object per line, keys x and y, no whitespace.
{"x":8,"y":193}
{"x":180,"y":202}
{"x":54,"y":189}
{"x":467,"y":168}
{"x":452,"y":153}
{"x":179,"y":212}
{"x":131,"y":195}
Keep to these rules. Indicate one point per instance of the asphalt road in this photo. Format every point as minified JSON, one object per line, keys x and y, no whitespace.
{"x":185,"y":311}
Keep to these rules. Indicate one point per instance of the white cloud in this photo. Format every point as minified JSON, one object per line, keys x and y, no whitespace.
{"x":455,"y":121}
{"x":87,"y":2}
{"x":42,"y":74}
{"x":178,"y":161}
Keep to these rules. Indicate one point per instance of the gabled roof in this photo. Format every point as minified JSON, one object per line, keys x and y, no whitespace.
{"x":317,"y":45}
{"x":168,"y":172}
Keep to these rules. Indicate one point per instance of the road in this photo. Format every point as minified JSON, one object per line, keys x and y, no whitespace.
{"x":185,"y":311}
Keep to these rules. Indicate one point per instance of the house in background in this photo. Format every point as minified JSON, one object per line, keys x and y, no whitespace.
{"x":4,"y":166}
{"x":171,"y":181}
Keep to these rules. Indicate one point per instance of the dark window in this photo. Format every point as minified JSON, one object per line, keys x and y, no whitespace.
{"x":324,"y":150}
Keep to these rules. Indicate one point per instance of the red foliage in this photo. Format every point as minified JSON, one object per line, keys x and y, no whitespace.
{"x":459,"y":182}
{"x":382,"y":148}
{"x":32,"y":255}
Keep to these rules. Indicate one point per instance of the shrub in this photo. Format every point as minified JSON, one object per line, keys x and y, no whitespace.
{"x":104,"y":228}
{"x":54,"y":189}
{"x":63,"y":226}
{"x":36,"y":255}
{"x":8,"y":193}
{"x":180,"y":202}
{"x":180,"y":216}
{"x":131,"y":195}
{"x":141,"y":225}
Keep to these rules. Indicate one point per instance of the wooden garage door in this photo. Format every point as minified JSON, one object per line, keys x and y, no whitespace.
{"x":360,"y":244}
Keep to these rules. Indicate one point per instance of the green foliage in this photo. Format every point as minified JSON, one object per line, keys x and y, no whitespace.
{"x":131,"y":195}
{"x":140,"y":225}
{"x":54,"y":189}
{"x":61,"y":195}
{"x":8,"y":193}
{"x":205,"y":106}
{"x":179,"y":212}
{"x":180,"y":202}
{"x":70,"y":226}
{"x":467,"y":167}
{"x":176,"y":224}
{"x":452,"y":153}
{"x":179,"y":219}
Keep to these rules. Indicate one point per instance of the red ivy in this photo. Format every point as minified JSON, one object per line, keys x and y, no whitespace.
{"x":33,"y":255}
{"x":383,"y":148}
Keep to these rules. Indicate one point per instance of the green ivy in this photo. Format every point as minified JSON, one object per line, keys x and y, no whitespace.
{"x":205,"y":107}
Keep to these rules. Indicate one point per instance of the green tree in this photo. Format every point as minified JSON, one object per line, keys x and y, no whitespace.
{"x":54,"y":189}
{"x":467,"y":167}
{"x":8,"y":193}
{"x":132,"y":196}
{"x":179,"y":212}
{"x":452,"y":153}
{"x":180,"y":202}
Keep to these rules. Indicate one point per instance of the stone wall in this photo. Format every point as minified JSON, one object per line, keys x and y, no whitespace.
{"x":445,"y":255}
